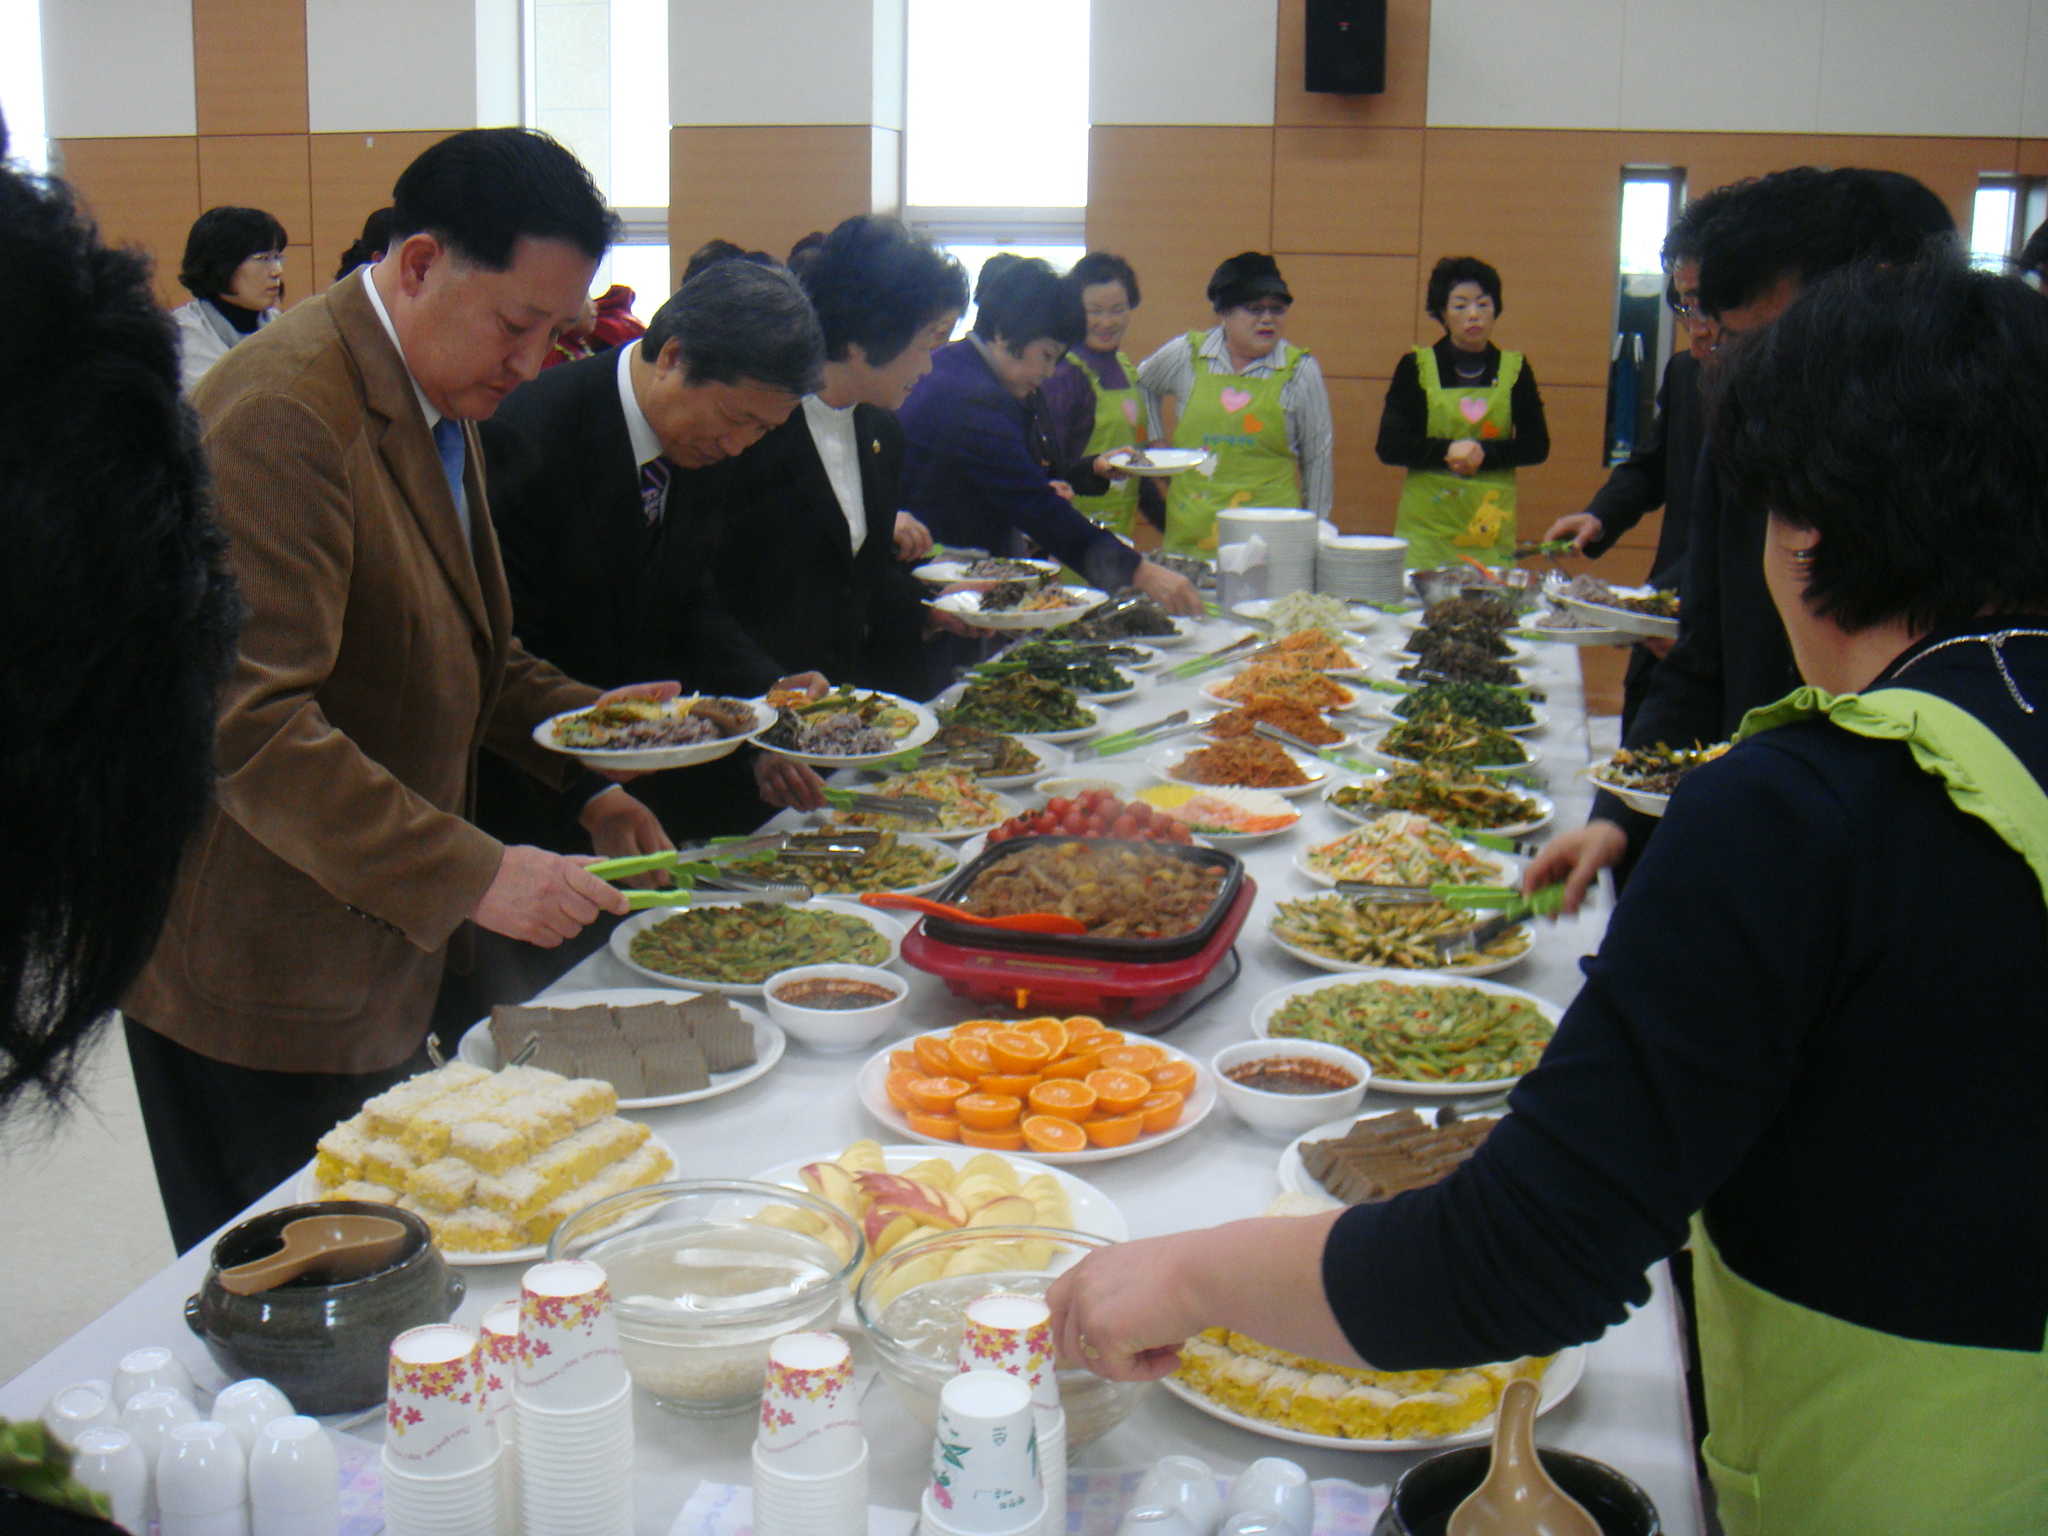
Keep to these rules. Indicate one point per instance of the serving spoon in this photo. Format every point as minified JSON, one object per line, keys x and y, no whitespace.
{"x":1518,"y":1498}
{"x":346,"y":1246}
{"x":1018,"y":922}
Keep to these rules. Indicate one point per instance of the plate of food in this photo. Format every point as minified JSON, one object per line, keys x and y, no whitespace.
{"x":952,"y":569}
{"x":965,"y":806}
{"x":1140,"y":618}
{"x":1453,"y":798}
{"x":1450,"y":744}
{"x":1310,"y":725}
{"x":1018,"y":763}
{"x":1098,"y":1096}
{"x":1334,"y":654}
{"x":846,"y":727}
{"x":1072,"y":733}
{"x":655,"y":1046}
{"x":1403,"y":848}
{"x":1149,"y":462}
{"x":910,"y":865}
{"x":1038,"y":602}
{"x":492,"y":1162}
{"x":1088,"y":670}
{"x":642,"y":736}
{"x":733,"y":947}
{"x":1307,"y":1402}
{"x":1019,"y":704}
{"x":1632,"y":610}
{"x":1248,"y":762}
{"x":1506,"y":709}
{"x":1434,"y":1036}
{"x":1288,"y":685}
{"x":1425,"y":640}
{"x":1557,"y":625}
{"x":1225,"y":817}
{"x":1644,"y":778}
{"x":1362,"y":1159}
{"x":1306,"y":610}
{"x":1336,"y":933}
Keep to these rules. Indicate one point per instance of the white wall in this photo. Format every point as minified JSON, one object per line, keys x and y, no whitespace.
{"x":386,"y":66}
{"x":118,"y":69}
{"x":1742,"y":66}
{"x":784,"y":61}
{"x":1183,"y":61}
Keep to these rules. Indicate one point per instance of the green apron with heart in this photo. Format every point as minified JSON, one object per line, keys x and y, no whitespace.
{"x":1820,"y":1427}
{"x":1119,"y":423}
{"x":1238,"y":418}
{"x":1444,"y":515}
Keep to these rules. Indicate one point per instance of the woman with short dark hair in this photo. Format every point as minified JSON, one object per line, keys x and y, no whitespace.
{"x":1094,"y":406}
{"x":1461,"y":417}
{"x":1251,"y":398}
{"x":1834,"y":942}
{"x":234,"y":270}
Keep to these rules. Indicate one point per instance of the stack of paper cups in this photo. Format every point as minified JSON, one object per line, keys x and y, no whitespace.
{"x":500,"y":1339}
{"x":1291,"y":535}
{"x":572,"y":1406}
{"x":440,"y":1462}
{"x":985,"y":1474}
{"x":1013,"y":1334}
{"x":810,"y":1456}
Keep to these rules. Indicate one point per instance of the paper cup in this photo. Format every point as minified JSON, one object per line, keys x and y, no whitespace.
{"x":1052,"y":1469}
{"x":985,"y":1472}
{"x":833,"y":1505}
{"x":433,"y":1405}
{"x":499,"y":1335}
{"x":569,"y":1354}
{"x":575,"y":1468}
{"x":463,"y":1504}
{"x":810,"y":1413}
{"x":1013,"y":1334}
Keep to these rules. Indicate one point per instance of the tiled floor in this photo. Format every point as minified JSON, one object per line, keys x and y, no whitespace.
{"x":79,"y":1213}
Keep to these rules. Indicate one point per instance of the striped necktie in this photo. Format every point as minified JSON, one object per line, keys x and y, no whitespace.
{"x":654,"y":489}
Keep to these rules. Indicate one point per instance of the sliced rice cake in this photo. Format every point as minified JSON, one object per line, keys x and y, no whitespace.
{"x":363,"y":1189}
{"x":1276,"y":1397}
{"x":1315,"y":1404}
{"x":1362,"y":1412}
{"x":646,"y":1164}
{"x":517,"y":1192}
{"x":1200,"y":1361}
{"x":388,"y":1162}
{"x":671,"y":1066}
{"x":1462,"y":1401}
{"x":1239,"y":1383}
{"x":487,"y":1146}
{"x":338,"y":1156}
{"x":445,"y":1184}
{"x":473,"y":1231}
{"x":387,"y":1113}
{"x":587,"y":1099}
{"x":579,"y":1157}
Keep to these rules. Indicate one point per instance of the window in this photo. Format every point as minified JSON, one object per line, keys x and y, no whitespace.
{"x":2006,"y":210}
{"x":995,"y":141}
{"x":21,"y":82}
{"x":596,"y":77}
{"x":1650,"y":200}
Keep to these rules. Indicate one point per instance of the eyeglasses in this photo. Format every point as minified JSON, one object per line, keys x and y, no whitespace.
{"x":270,"y":258}
{"x":1686,"y":309}
{"x":1271,"y":311}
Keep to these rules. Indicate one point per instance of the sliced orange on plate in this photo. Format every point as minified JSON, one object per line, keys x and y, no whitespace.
{"x":1016,"y":1051}
{"x":939,"y":1127}
{"x":1160,"y":1111}
{"x":971,"y":1056}
{"x":1049,"y":1133}
{"x":1066,"y":1097}
{"x":933,"y":1056}
{"x":1113,"y":1130}
{"x":1173,"y":1075}
{"x":936,"y":1095}
{"x":987,"y":1111}
{"x":897,"y":1085}
{"x":1118,"y":1093}
{"x":1077,"y":1065}
{"x":1016,"y":1085}
{"x":1135,"y":1058}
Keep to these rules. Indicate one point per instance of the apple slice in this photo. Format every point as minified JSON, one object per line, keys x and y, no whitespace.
{"x":1009,"y":1211}
{"x":791,"y":1219}
{"x":925,"y":1267}
{"x":995,"y":1167}
{"x":938,"y":1206}
{"x":985,"y":1259}
{"x":935,"y":1171}
{"x":885,"y":1229}
{"x":863,"y":1156}
{"x":831,"y":1181}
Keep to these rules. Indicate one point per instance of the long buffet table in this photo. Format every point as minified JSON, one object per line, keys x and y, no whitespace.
{"x":1629,"y":1410}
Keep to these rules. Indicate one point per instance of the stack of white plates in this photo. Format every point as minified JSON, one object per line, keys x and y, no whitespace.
{"x":1290,"y":535}
{"x":1364,"y":567}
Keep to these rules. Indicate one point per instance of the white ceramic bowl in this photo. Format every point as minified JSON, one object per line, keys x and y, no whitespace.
{"x":1288,"y":1114}
{"x":835,"y":1029}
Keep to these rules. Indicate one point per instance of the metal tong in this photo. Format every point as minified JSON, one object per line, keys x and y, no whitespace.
{"x":1513,"y":908}
{"x":1200,"y":664}
{"x":1173,"y":725}
{"x":909,"y":807}
{"x":701,"y":868}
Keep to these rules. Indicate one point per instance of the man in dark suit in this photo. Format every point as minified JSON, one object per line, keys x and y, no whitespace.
{"x":599,"y":473}
{"x":805,"y":545}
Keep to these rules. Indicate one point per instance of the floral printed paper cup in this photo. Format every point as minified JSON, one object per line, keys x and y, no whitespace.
{"x":433,"y":1408}
{"x":1013,"y":1334}
{"x":500,"y":1340}
{"x":985,"y":1473}
{"x":569,"y":1355}
{"x":810,"y":1413}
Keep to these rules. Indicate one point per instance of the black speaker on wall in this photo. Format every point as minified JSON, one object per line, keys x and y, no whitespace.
{"x":1347,"y":47}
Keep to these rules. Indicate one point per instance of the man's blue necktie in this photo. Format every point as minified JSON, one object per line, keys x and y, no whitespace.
{"x":448,"y":441}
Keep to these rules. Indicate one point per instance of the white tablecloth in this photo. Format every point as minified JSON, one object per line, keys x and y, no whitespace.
{"x":1629,"y":1410}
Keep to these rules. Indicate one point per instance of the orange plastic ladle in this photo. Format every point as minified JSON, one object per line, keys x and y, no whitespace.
{"x":1019,"y":922}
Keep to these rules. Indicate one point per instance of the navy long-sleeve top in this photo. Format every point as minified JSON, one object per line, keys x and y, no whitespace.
{"x":970,"y":475}
{"x":1817,"y":1017}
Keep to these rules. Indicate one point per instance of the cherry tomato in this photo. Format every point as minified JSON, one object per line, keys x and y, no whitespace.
{"x":1123,"y":826}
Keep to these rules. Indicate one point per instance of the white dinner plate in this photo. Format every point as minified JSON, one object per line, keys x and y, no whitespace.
{"x":1162,"y":763}
{"x":1506,"y":870}
{"x":944,"y":573}
{"x":308,"y":1189}
{"x":874,"y":1097}
{"x":1052,"y":758}
{"x":967,"y":605}
{"x":1470,"y":967}
{"x":1112,"y":696}
{"x":1649,"y":803}
{"x":1152,"y":659}
{"x":651,"y":759}
{"x":1006,"y":807}
{"x":1558,"y":1381}
{"x":1263,"y":802}
{"x":1094,"y":1212}
{"x":622,"y":942}
{"x":1264,"y":1009}
{"x":1599,"y":634}
{"x":923,"y":730}
{"x":1164,"y":461}
{"x":1076,"y":733}
{"x":479,"y":1049}
{"x":1369,"y":747}
{"x":1386,"y":707}
{"x":1293,"y":1172}
{"x":1359,"y":619}
{"x":1546,"y":807}
{"x":1623,"y":619}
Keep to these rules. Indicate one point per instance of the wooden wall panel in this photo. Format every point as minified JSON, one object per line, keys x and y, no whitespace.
{"x":2032,"y":157}
{"x":1577,"y":416}
{"x":1351,"y":190}
{"x":1404,"y":104}
{"x":268,"y":171}
{"x":301,"y":278}
{"x":351,"y":176}
{"x":764,"y":187}
{"x":1352,"y":312}
{"x":1950,"y":166}
{"x":1367,"y":490}
{"x":1174,"y":202}
{"x":249,"y":64}
{"x":143,"y":192}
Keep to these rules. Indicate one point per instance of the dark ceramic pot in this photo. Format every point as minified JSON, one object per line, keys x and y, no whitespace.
{"x":1427,"y":1492}
{"x":324,"y":1346}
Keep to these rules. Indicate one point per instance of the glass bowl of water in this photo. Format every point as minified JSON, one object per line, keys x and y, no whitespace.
{"x":706,"y":1273}
{"x":913,"y":1303}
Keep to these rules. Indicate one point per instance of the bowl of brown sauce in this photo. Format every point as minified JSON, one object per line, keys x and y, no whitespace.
{"x":835,"y":1007}
{"x":1285,"y":1087}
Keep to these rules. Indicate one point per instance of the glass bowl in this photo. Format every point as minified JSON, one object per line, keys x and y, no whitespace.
{"x":914,"y":1311}
{"x":707,"y":1273}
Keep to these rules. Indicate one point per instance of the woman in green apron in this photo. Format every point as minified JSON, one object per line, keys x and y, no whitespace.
{"x":1461,"y":417}
{"x":1093,"y":404}
{"x":1252,"y":399}
{"x":1815,"y":1037}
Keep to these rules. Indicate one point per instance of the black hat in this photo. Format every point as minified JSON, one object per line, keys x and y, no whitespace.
{"x":1247,"y":276}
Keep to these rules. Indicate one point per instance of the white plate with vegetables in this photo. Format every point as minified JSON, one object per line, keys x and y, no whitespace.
{"x":622,"y":717}
{"x":734,"y":947}
{"x":1510,"y":949}
{"x":1075,"y":601}
{"x":909,"y":724}
{"x":1449,"y":815}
